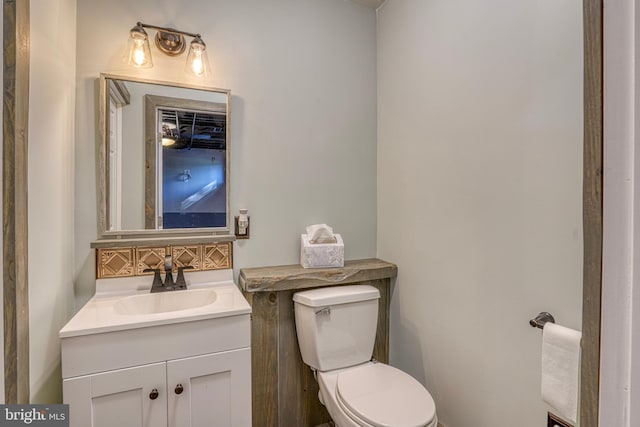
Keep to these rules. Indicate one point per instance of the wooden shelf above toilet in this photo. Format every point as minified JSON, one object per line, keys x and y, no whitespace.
{"x":294,"y":277}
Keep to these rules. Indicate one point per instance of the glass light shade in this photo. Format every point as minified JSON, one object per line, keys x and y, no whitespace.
{"x":197,"y":60}
{"x":139,"y":49}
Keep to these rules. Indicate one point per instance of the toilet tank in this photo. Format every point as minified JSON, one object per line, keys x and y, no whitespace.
{"x":336,"y":326}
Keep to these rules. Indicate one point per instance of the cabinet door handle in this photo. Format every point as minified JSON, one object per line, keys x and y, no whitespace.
{"x":179,"y":389}
{"x":154,"y":394}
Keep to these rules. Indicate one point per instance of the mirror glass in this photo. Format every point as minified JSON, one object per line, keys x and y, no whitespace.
{"x":164,"y":158}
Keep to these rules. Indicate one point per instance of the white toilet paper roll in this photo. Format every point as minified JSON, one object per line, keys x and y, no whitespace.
{"x":560,"y":369}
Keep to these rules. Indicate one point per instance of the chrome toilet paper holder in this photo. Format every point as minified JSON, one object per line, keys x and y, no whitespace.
{"x":540,"y":320}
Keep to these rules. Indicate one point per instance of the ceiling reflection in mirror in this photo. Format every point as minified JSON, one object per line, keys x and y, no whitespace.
{"x":165,"y":158}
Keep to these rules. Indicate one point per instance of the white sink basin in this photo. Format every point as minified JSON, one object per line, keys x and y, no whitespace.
{"x":165,"y":302}
{"x":126,"y":303}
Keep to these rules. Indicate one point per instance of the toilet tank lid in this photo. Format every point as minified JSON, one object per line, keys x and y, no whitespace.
{"x":336,"y":295}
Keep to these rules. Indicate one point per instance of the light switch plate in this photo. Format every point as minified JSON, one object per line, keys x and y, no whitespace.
{"x":556,"y":421}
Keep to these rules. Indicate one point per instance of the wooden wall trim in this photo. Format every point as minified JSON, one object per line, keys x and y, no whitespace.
{"x":15,"y":126}
{"x":592,"y":211}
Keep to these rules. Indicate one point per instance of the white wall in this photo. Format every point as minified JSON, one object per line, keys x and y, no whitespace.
{"x":620,"y":334}
{"x":50,"y":164}
{"x":303,"y":112}
{"x":479,"y":195}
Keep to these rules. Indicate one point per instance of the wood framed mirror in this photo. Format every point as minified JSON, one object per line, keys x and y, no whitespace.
{"x":163,"y":158}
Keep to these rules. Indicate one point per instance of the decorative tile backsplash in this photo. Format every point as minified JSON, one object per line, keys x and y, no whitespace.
{"x":115,"y":262}
{"x":216,"y":256}
{"x":184,"y":256}
{"x":132,"y":261}
{"x":149,"y":258}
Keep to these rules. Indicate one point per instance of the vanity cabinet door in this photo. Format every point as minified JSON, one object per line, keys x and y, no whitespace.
{"x":211,"y":390}
{"x":132,"y":397}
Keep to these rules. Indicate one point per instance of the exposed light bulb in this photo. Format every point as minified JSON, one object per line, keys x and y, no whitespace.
{"x":138,"y":53}
{"x":197,"y":66}
{"x":197,"y":62}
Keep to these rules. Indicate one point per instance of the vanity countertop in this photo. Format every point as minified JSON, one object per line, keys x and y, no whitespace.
{"x":102,"y":314}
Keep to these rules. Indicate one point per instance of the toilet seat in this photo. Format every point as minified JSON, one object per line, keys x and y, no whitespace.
{"x":380,"y":395}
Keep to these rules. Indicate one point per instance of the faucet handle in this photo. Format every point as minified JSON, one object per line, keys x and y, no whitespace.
{"x":180,"y":281}
{"x":157,"y":280}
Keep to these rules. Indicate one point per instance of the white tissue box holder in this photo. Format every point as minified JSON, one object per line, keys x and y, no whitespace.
{"x":321,"y":255}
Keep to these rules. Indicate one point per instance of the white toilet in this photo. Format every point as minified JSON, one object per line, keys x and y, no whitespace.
{"x":336,"y":329}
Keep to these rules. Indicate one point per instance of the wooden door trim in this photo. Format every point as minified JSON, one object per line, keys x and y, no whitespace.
{"x":15,"y":272}
{"x":592,"y":212}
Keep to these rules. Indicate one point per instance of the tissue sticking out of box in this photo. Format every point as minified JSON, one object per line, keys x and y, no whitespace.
{"x":320,"y":233}
{"x":321,"y":255}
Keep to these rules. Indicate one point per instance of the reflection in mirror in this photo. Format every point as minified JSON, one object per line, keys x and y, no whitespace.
{"x":164,"y":165}
{"x":186,"y":145}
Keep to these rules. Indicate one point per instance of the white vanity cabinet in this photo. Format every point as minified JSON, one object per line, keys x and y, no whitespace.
{"x":210,"y":390}
{"x":189,"y":368}
{"x":123,"y":397}
{"x":207,"y":390}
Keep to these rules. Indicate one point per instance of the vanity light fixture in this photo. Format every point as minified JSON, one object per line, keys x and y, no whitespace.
{"x":171,"y":42}
{"x":170,"y":131}
{"x":168,"y":140}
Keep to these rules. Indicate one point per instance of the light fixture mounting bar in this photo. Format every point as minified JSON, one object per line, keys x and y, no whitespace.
{"x":168,"y":30}
{"x":169,"y":40}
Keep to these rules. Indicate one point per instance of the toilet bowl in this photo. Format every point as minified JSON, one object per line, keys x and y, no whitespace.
{"x":376,"y":395}
{"x":336,"y":330}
